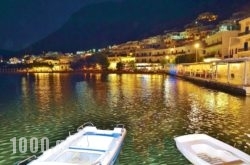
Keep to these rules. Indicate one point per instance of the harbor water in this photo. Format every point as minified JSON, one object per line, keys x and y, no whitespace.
{"x":154,"y":108}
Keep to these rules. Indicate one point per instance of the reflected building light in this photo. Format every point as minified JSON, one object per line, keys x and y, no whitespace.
{"x":196,"y":45}
{"x":57,"y":88}
{"x":43,"y":91}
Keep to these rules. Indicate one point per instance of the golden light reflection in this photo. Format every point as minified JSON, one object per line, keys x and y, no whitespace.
{"x":49,"y":88}
{"x":205,"y":107}
{"x":145,"y":102}
{"x":194,"y":114}
{"x":43,"y":91}
{"x":128,"y":85}
{"x":25,"y":87}
{"x":124,"y":89}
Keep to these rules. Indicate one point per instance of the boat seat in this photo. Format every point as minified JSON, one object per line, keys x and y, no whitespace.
{"x":115,"y":135}
{"x":235,"y":162}
{"x":95,"y":141}
{"x":87,"y":149}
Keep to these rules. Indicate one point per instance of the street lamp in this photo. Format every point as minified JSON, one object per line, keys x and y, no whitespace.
{"x":197,"y":45}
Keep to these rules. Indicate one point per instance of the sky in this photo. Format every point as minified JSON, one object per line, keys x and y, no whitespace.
{"x":23,"y":22}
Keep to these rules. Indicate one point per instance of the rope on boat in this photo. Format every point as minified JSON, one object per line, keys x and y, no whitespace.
{"x":27,"y":160}
{"x":85,"y":124}
{"x":120,"y":126}
{"x":97,"y":163}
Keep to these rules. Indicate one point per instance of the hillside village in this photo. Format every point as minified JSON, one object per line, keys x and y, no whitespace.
{"x":201,"y":41}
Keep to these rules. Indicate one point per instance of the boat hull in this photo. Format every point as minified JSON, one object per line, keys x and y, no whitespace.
{"x":89,"y":146}
{"x":203,"y":149}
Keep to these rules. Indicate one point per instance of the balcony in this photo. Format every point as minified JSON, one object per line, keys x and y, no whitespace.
{"x":244,"y":33}
{"x":182,"y":52}
{"x":243,"y":52}
{"x":214,"y":44}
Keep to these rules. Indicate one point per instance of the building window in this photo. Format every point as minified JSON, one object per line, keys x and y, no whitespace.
{"x":245,"y":46}
{"x":247,"y":29}
{"x":231,"y":52}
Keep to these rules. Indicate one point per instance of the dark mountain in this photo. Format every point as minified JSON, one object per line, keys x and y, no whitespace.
{"x":111,"y":22}
{"x":24,"y":22}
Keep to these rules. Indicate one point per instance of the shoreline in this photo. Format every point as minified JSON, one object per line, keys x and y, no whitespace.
{"x":86,"y":71}
{"x":238,"y":90}
{"x":208,"y":83}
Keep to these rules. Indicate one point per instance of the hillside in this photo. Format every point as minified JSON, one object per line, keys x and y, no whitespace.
{"x":111,"y":22}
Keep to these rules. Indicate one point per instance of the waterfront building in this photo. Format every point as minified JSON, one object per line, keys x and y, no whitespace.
{"x":198,"y":42}
{"x":150,"y":55}
{"x":217,"y":44}
{"x":155,"y":42}
{"x":126,"y":60}
{"x":29,"y":59}
{"x":14,"y":60}
{"x":122,"y":53}
{"x":228,"y":25}
{"x":193,"y":31}
{"x":230,"y":74}
{"x":239,"y":46}
{"x":124,"y":49}
{"x":56,"y":62}
{"x":63,"y":63}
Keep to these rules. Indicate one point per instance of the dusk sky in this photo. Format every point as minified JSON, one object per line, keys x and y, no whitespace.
{"x":24,"y":22}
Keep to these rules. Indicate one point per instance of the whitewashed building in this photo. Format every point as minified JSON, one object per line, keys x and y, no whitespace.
{"x":239,"y":46}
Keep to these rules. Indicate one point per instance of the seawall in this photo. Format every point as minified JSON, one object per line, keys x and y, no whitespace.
{"x":220,"y":86}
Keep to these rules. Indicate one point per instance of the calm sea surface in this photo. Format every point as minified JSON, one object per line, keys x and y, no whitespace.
{"x":154,"y":109}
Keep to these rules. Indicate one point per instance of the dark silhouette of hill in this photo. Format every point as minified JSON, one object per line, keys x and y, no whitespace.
{"x":107,"y":23}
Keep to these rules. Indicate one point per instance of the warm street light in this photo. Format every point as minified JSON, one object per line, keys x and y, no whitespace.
{"x":172,"y":50}
{"x":197,"y":45}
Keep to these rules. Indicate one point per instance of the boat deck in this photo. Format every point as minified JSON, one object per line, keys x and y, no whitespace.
{"x":203,"y":149}
{"x":87,"y":147}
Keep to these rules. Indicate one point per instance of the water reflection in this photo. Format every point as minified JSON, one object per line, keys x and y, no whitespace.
{"x":154,"y":108}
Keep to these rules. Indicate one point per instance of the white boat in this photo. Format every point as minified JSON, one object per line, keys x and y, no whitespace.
{"x":201,"y":149}
{"x":89,"y":146}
